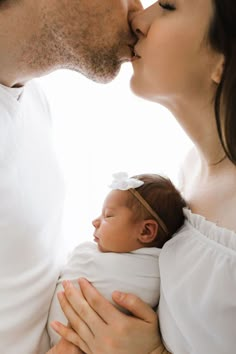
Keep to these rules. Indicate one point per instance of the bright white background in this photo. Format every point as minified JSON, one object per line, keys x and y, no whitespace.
{"x":101,"y":129}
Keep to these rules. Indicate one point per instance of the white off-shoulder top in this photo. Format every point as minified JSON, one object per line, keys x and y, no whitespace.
{"x":197,"y":309}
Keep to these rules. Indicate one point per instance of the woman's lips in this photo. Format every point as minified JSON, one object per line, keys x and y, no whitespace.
{"x":135,"y":54}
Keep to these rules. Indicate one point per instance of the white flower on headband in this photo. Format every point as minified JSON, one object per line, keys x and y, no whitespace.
{"x":122,"y":182}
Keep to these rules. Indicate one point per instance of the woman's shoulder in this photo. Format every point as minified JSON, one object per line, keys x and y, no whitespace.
{"x":201,"y":252}
{"x":211,"y":192}
{"x":200,"y":233}
{"x":198,"y":274}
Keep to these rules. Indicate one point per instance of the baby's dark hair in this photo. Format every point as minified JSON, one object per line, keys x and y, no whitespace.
{"x":165,"y":199}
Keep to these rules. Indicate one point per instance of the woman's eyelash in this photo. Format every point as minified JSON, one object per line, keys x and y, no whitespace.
{"x":166,"y":6}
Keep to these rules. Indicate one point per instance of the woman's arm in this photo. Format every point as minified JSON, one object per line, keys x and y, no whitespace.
{"x":98,"y":327}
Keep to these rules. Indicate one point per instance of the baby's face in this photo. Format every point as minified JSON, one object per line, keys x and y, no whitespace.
{"x":116,"y":229}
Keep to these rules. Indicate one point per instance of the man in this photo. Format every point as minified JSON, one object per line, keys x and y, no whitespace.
{"x":92,"y":37}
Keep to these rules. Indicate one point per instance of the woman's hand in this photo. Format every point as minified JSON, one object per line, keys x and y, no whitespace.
{"x":98,"y":327}
{"x":64,"y":347}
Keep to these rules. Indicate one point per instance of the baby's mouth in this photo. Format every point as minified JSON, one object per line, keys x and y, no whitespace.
{"x":96,"y":239}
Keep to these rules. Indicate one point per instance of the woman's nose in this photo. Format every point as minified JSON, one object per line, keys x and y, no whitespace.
{"x":141,"y":21}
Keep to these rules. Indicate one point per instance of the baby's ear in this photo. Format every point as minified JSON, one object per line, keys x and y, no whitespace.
{"x":218,"y":70}
{"x":149,"y":231}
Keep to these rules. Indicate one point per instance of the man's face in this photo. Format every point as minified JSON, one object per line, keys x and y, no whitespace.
{"x":90,"y":36}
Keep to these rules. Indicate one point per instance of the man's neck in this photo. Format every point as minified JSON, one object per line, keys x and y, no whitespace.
{"x":18,"y":43}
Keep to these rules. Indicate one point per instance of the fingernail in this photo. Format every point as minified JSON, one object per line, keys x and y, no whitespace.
{"x":54,"y":325}
{"x":66,"y":284}
{"x":118,"y":295}
{"x":60,"y":295}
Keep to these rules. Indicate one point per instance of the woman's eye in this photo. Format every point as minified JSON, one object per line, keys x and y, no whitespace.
{"x":166,"y":6}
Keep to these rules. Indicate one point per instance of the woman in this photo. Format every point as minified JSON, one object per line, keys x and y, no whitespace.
{"x":185,"y":59}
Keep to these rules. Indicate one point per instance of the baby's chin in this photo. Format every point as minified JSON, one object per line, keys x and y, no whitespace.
{"x":100,"y":248}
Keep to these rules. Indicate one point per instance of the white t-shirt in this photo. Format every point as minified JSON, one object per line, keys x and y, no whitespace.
{"x":31,"y":203}
{"x":197,"y":309}
{"x":136,"y":272}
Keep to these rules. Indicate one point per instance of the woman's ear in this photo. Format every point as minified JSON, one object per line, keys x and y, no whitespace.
{"x":148,"y":232}
{"x":219,"y":69}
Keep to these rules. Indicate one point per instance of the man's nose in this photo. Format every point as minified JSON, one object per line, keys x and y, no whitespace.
{"x":136,"y":5}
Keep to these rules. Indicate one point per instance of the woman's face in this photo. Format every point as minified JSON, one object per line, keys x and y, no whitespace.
{"x":173,"y":57}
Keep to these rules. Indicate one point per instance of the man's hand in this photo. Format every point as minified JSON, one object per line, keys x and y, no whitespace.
{"x":64,"y":347}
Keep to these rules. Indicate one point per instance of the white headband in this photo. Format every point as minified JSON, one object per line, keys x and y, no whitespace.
{"x":122,"y":182}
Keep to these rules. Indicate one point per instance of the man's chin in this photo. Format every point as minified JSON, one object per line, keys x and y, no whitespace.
{"x":101,"y":74}
{"x":104,"y":77}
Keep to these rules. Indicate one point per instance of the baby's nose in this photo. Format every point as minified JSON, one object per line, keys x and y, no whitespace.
{"x":95,"y":222}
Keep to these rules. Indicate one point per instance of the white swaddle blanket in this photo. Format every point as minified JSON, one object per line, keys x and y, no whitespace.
{"x":136,"y":272}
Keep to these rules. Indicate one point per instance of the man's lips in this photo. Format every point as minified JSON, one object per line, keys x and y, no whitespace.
{"x":134,"y":53}
{"x":130,"y":54}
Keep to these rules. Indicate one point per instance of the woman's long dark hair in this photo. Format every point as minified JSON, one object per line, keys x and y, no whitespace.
{"x":222,"y":37}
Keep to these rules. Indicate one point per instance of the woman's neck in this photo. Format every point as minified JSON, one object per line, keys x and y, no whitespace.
{"x":198,"y":121}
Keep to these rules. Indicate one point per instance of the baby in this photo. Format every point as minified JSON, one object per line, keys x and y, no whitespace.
{"x":139,"y":215}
